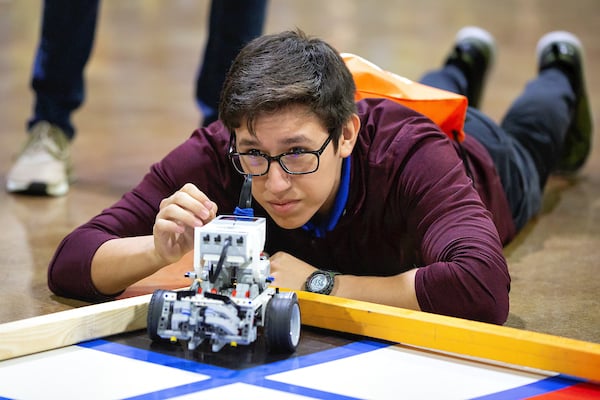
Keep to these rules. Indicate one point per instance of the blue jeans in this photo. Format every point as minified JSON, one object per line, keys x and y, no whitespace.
{"x":67,"y":36}
{"x":526,"y":145}
{"x":233,"y":23}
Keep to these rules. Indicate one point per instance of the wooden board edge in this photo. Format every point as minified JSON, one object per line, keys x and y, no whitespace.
{"x":64,"y":328}
{"x":436,"y":332}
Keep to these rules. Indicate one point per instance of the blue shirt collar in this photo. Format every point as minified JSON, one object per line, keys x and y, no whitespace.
{"x":339,"y":205}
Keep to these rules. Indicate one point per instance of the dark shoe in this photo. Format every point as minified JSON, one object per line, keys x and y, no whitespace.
{"x":474,"y":51}
{"x":564,"y":51}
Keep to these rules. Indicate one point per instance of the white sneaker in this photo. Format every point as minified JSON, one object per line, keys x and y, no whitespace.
{"x":44,"y":165}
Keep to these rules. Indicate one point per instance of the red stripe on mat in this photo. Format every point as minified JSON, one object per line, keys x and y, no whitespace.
{"x":575,"y":392}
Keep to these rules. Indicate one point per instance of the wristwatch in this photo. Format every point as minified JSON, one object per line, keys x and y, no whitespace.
{"x":321,"y":282}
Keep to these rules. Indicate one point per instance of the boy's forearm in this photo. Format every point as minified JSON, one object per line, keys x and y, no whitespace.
{"x":397,"y":291}
{"x":119,"y":263}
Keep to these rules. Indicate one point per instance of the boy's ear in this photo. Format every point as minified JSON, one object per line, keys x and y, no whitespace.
{"x":349,"y":135}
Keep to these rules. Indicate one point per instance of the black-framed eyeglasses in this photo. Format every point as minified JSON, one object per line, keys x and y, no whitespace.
{"x":256,"y":163}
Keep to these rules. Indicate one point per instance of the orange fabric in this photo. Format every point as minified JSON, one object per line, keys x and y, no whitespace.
{"x":445,"y":108}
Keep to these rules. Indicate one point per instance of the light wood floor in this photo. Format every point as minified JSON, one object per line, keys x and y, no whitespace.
{"x":140,"y":105}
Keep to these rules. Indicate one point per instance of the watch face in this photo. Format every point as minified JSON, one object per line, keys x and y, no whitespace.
{"x":318,"y":283}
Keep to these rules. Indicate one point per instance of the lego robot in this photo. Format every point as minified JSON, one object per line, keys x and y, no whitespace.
{"x":230,"y":296}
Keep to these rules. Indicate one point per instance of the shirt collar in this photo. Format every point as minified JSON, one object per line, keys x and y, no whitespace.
{"x":339,"y":205}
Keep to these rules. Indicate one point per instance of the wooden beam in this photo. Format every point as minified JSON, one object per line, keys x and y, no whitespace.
{"x":51,"y":331}
{"x":435,"y":332}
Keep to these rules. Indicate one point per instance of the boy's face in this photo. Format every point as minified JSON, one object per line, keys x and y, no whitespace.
{"x":292,"y":200}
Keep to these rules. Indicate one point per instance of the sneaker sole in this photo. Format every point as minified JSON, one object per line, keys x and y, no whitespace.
{"x":474,"y":32}
{"x":558,"y":36}
{"x":38,"y":188}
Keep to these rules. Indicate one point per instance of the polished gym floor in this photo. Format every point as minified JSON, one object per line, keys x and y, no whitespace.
{"x":139,"y":105}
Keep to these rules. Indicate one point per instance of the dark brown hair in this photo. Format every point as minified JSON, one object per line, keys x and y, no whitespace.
{"x":275,"y":71}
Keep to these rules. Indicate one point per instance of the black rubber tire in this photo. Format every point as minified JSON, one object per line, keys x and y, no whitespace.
{"x":282,"y":323}
{"x":155,"y":308}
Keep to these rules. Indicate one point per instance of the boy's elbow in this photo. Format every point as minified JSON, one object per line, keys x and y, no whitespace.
{"x":495,"y":309}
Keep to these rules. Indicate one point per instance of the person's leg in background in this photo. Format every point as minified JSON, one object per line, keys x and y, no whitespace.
{"x":66,"y":40}
{"x":233,"y":23}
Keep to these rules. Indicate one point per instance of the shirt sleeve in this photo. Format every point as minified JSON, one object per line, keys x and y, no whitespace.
{"x":464,"y":272}
{"x":423,"y":211}
{"x":198,"y":160}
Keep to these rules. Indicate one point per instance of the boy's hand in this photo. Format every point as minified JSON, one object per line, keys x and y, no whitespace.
{"x":179,"y":214}
{"x":289,"y":272}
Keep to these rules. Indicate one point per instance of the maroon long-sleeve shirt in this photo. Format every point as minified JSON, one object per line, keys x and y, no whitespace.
{"x":410,"y":204}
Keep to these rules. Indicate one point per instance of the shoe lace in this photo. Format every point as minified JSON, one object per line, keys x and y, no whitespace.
{"x":46,"y":138}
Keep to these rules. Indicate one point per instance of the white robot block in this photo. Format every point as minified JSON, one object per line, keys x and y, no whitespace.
{"x":230,"y":296}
